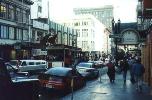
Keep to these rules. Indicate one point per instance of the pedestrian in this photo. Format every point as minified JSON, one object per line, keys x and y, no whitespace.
{"x":111,"y":71}
{"x":124,"y":68}
{"x":131,"y":61}
{"x":138,"y":71}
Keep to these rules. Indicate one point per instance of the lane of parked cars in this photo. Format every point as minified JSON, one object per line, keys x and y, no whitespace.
{"x":55,"y":78}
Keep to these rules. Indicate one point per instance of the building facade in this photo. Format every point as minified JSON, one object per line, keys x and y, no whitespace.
{"x":14,"y":27}
{"x":92,"y":34}
{"x":103,"y":14}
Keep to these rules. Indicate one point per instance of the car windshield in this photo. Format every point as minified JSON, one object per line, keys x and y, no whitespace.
{"x":84,"y":65}
{"x":13,"y":63}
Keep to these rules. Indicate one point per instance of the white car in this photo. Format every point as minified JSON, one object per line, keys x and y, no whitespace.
{"x":87,"y":70}
{"x":29,"y":65}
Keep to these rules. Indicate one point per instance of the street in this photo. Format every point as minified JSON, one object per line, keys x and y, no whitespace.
{"x":96,"y":90}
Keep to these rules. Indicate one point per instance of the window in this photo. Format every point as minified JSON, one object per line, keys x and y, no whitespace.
{"x":25,"y":35}
{"x":65,"y":38}
{"x":78,"y":32}
{"x":3,"y":10}
{"x":18,"y":15}
{"x":85,"y":23}
{"x":24,"y":63}
{"x":11,"y":33}
{"x":4,"y":32}
{"x":31,"y":63}
{"x":84,"y":32}
{"x":59,"y":37}
{"x":24,"y":16}
{"x":43,"y":62}
{"x":11,"y":14}
{"x":39,"y":9}
{"x":18,"y":34}
{"x":38,"y":63}
{"x":84,"y":44}
{"x":76,"y":24}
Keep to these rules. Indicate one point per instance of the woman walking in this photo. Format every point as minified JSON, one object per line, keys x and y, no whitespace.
{"x":111,"y":71}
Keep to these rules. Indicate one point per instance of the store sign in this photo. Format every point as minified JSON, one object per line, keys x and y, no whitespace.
{"x":130,"y":37}
{"x":38,"y":52}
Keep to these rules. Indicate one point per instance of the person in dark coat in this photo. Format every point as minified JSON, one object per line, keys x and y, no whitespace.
{"x":124,"y":67}
{"x":138,"y":71}
{"x":111,"y":71}
{"x":131,"y":61}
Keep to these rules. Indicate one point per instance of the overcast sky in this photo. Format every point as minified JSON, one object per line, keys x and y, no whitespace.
{"x":60,"y":9}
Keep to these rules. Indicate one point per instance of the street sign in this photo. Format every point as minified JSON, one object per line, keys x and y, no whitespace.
{"x":114,"y":36}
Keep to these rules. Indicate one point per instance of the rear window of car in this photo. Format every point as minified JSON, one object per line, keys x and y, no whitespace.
{"x":57,"y":71}
{"x":84,"y":65}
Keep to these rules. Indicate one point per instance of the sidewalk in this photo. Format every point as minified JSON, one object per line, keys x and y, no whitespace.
{"x":104,"y":90}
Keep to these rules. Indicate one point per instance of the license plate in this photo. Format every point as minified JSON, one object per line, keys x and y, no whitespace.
{"x":49,"y":86}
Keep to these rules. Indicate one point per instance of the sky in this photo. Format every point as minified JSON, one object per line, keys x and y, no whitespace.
{"x":63,"y":9}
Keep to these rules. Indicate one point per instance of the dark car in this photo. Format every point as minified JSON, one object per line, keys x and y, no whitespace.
{"x":87,"y":70}
{"x":59,"y":78}
{"x":17,"y":89}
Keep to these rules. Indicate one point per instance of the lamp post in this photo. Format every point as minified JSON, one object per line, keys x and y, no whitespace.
{"x":116,"y":32}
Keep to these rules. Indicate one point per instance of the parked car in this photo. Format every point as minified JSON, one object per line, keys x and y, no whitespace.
{"x":87,"y":70}
{"x":31,"y":66}
{"x":17,"y":89}
{"x":59,"y":78}
{"x":97,"y":64}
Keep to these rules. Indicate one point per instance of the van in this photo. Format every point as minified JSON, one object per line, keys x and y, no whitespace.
{"x":30,"y":65}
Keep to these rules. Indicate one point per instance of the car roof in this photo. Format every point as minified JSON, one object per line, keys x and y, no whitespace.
{"x":58,"y":71}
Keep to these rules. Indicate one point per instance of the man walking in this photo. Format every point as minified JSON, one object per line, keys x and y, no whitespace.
{"x":124,"y":66}
{"x":138,"y":71}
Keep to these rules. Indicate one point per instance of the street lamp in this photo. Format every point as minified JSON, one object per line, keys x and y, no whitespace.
{"x":116,"y":31}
